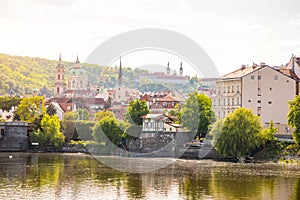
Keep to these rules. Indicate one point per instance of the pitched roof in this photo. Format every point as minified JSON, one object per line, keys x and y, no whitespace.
{"x":243,"y":71}
{"x":289,"y":73}
{"x":167,"y":98}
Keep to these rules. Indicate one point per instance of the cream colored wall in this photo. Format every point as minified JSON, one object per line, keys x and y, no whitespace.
{"x":277,"y":92}
{"x":221,"y":110}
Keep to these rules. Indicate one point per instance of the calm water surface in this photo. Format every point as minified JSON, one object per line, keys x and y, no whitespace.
{"x":79,"y":176}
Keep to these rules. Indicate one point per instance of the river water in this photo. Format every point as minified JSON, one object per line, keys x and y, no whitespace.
{"x":80,"y":176}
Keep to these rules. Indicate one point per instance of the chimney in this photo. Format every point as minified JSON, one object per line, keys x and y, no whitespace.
{"x":243,"y":67}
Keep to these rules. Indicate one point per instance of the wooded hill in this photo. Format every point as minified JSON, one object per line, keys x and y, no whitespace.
{"x":22,"y":75}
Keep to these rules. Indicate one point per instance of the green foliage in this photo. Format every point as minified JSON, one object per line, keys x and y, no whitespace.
{"x":6,"y":102}
{"x":49,"y":134}
{"x":268,"y":134}
{"x":197,"y":114}
{"x":135,"y":110}
{"x":83,"y":114}
{"x":29,"y":108}
{"x":241,"y":133}
{"x":216,"y":130}
{"x":101,"y":114}
{"x":294,"y":118}
{"x":108,"y":129}
{"x":51,"y":110}
{"x":84,"y":129}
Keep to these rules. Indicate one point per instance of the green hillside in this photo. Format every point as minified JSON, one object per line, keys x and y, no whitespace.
{"x":23,"y":75}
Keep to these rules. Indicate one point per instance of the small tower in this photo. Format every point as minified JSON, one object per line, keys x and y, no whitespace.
{"x":59,"y":85}
{"x":168,"y":69}
{"x":120,"y":73}
{"x":181,"y":69}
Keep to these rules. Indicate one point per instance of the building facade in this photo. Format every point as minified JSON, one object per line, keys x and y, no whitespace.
{"x":78,"y":84}
{"x":263,"y":89}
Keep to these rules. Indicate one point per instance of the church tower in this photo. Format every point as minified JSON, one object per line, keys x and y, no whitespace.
{"x":181,"y":69}
{"x":120,"y":90}
{"x":59,"y":85}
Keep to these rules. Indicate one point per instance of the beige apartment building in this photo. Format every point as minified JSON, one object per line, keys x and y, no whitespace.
{"x":263,"y":89}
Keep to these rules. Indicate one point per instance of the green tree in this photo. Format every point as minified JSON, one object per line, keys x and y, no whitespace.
{"x":135,"y":110}
{"x":268,"y":134}
{"x":6,"y":102}
{"x":241,"y":133}
{"x":49,"y":134}
{"x":30,"y":107}
{"x":294,"y":118}
{"x":108,"y":127}
{"x":216,"y":130}
{"x":101,"y":114}
{"x":83,"y":114}
{"x":51,"y":110}
{"x":68,"y":125}
{"x":197,"y":114}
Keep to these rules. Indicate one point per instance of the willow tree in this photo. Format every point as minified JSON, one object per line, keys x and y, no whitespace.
{"x":241,"y":133}
{"x":294,"y":118}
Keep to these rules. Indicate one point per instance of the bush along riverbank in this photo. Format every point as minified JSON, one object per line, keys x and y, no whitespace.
{"x":281,"y":152}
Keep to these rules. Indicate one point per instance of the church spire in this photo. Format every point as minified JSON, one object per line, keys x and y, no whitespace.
{"x":120,"y":73}
{"x":77,"y":60}
{"x":168,"y":68}
{"x":180,"y":69}
{"x":59,"y":57}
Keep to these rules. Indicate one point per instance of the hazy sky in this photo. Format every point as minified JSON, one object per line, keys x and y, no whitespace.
{"x":232,"y":32}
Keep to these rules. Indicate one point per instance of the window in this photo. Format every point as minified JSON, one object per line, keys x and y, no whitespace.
{"x":219,"y":90}
{"x":270,"y":89}
{"x":58,"y":77}
{"x":224,"y":90}
{"x":232,"y":89}
{"x":238,"y":101}
{"x":259,"y":77}
{"x":252,"y":77}
{"x":258,"y":101}
{"x":224,"y":102}
{"x":249,"y":100}
{"x":275,"y":77}
{"x":228,"y":89}
{"x":219,"y":102}
{"x":57,"y":90}
{"x":258,"y":111}
{"x":228,"y":102}
{"x":269,"y":102}
{"x":238,"y":88}
{"x":2,"y":133}
{"x":232,"y":101}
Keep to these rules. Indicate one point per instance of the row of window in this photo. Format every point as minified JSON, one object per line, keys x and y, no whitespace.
{"x":252,"y":77}
{"x":231,"y":101}
{"x":76,"y":84}
{"x":229,"y":89}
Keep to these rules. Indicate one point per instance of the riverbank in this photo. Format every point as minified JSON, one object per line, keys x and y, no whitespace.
{"x":279,"y":152}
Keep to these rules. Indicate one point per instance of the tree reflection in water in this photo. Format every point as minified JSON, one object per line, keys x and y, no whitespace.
{"x":79,"y":176}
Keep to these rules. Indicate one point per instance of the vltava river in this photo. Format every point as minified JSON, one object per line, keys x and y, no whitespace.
{"x":79,"y":176}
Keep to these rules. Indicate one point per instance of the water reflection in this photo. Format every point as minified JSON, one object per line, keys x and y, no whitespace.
{"x":72,"y":176}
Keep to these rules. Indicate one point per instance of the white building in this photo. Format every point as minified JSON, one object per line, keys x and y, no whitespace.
{"x":263,"y":89}
{"x":160,"y":123}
